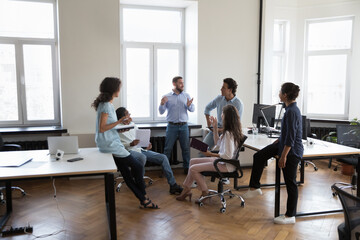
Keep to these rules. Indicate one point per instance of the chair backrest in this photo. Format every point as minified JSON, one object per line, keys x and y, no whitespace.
{"x":240,"y":147}
{"x":348,"y":135}
{"x":351,"y":206}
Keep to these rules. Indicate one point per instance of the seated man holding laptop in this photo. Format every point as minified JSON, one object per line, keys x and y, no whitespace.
{"x":128,"y":139}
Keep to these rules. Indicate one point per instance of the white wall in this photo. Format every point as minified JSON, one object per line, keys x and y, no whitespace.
{"x":90,"y":50}
{"x":228,"y":47}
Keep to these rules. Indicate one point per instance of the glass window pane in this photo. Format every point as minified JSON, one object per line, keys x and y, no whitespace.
{"x":8,"y":84}
{"x":38,"y":82}
{"x":138,"y":81}
{"x":330,"y":35}
{"x":167,"y":69}
{"x":144,"y":25}
{"x":278,"y":38}
{"x":26,"y":19}
{"x":326,"y":84}
{"x":277,"y":77}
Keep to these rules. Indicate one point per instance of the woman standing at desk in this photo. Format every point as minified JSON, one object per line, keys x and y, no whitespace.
{"x":290,"y":150}
{"x":108,"y":141}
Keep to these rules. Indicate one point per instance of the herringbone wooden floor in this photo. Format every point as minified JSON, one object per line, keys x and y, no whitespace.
{"x":82,"y":204}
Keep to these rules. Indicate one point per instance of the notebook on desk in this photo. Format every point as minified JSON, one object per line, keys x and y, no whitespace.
{"x":68,"y":144}
{"x":14,"y":161}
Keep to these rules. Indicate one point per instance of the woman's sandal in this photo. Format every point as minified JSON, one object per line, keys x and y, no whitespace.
{"x":149,"y":205}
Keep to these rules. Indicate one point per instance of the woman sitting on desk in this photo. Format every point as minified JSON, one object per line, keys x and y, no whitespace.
{"x":108,"y":141}
{"x":290,"y":150}
{"x":228,"y":142}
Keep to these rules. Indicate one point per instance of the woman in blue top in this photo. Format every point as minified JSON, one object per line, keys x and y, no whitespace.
{"x":108,"y":141}
{"x":288,"y":148}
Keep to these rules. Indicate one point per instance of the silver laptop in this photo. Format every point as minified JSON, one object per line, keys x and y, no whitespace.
{"x":68,"y":144}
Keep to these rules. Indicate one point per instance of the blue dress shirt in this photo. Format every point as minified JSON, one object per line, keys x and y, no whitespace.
{"x":291,"y":131}
{"x":219,"y":102}
{"x":176,"y":107}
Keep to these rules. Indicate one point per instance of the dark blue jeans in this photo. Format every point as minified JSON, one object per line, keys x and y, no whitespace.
{"x":181,"y":132}
{"x":132,"y":172}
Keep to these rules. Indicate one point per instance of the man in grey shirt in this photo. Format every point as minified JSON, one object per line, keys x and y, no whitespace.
{"x":228,"y":96}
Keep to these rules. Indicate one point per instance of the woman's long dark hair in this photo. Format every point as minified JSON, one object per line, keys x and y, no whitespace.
{"x":108,"y":87}
{"x":232,"y":123}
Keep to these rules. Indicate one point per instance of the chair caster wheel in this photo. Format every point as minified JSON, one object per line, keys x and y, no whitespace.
{"x":222,"y":210}
{"x":117,"y":189}
{"x":150,"y":182}
{"x":201,"y":204}
{"x":23,"y":193}
{"x":243,"y":204}
{"x":315,"y":168}
{"x":334,"y":194}
{"x":231,"y":196}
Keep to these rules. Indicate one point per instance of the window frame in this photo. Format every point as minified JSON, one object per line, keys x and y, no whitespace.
{"x":18,"y":43}
{"x":153,"y":46}
{"x":332,"y":52}
{"x":282,"y":54}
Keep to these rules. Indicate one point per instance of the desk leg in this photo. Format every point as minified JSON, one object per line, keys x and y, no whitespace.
{"x":110,"y":204}
{"x":358,"y":177}
{"x":277,"y":189}
{"x":302,"y":171}
{"x":6,"y":216}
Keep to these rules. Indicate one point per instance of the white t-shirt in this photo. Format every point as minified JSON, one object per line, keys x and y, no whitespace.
{"x":127,"y":138}
{"x":227,"y":148}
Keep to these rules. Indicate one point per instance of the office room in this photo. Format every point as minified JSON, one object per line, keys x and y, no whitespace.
{"x":85,"y":41}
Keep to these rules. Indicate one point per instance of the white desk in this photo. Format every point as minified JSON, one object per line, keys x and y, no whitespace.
{"x":319,"y":150}
{"x":43,"y":165}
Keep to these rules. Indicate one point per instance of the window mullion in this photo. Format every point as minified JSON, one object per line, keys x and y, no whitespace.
{"x":21,"y":81}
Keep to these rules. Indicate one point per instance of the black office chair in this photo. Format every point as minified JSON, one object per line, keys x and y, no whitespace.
{"x":349,"y":135}
{"x":237,"y":173}
{"x":350,"y":229}
{"x":9,"y":147}
{"x":150,"y":182}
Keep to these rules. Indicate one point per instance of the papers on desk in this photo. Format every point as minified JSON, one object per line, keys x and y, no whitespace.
{"x":144,"y":136}
{"x":14,"y":161}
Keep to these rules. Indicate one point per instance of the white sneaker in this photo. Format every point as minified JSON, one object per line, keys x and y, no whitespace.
{"x":225,"y":181}
{"x":252,"y":193}
{"x":194,"y":185}
{"x":282,"y":219}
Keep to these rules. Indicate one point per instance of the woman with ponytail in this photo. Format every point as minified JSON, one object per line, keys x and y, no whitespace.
{"x":288,"y":148}
{"x":108,"y":141}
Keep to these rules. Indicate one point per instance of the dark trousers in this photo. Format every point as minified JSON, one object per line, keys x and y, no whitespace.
{"x":289,"y":172}
{"x":132,"y":172}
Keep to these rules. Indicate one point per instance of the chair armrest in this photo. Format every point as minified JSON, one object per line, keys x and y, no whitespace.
{"x":11,"y":147}
{"x":233,"y":162}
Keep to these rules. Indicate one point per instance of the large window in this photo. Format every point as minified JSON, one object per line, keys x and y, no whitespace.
{"x":153,"y":53}
{"x":279,"y":57}
{"x":327,"y":60}
{"x":29,"y":87}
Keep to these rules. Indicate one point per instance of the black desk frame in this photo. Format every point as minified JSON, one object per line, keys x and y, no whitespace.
{"x":109,"y":199}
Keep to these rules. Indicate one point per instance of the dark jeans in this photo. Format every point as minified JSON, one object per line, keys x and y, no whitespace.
{"x":181,"y":132}
{"x":289,"y":172}
{"x":132,"y":172}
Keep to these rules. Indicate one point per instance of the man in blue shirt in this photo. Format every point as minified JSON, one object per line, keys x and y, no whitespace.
{"x":228,"y":96}
{"x":177,"y":103}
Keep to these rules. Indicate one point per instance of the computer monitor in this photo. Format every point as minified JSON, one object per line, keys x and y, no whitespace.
{"x":305,"y":127}
{"x":269,"y":113}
